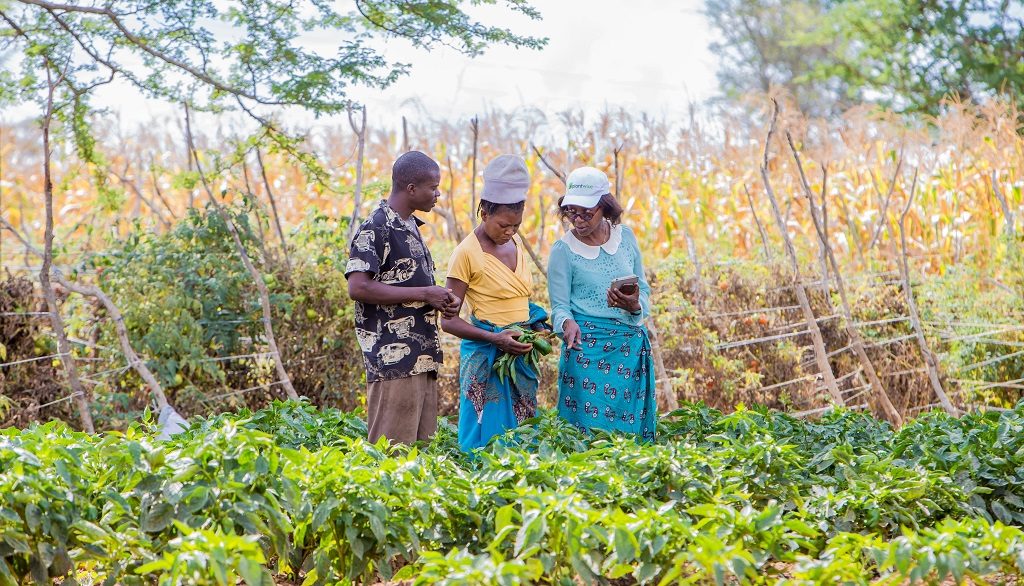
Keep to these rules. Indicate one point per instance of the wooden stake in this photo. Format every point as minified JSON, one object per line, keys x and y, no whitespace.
{"x":883,"y":216}
{"x":820,"y":353}
{"x":915,"y":320}
{"x":666,"y":395}
{"x":856,"y":341}
{"x":548,"y":165}
{"x":1011,"y":226}
{"x":760,"y":226}
{"x":360,"y":131}
{"x":122,"y":335}
{"x":474,"y":126}
{"x":270,"y":196}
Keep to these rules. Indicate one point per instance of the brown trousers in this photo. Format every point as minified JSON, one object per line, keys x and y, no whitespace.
{"x":403,"y":410}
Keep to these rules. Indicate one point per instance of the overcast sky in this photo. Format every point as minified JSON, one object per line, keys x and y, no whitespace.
{"x":650,"y":55}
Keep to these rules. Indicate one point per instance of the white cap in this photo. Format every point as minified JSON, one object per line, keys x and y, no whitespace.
{"x":506,"y":180}
{"x":584,"y":187}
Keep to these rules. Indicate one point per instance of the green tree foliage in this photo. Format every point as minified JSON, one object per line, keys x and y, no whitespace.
{"x":912,"y":55}
{"x":252,"y":55}
{"x":248,"y":53}
{"x":906,"y":55}
{"x":190,"y":307}
{"x":765,"y":44}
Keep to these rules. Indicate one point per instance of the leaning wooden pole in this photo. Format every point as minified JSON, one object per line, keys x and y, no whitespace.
{"x":931,"y":362}
{"x":474,"y":126}
{"x":273,"y":207}
{"x":666,"y":396}
{"x":78,"y":393}
{"x":139,"y":365}
{"x":855,"y":338}
{"x":261,"y":287}
{"x":115,"y":315}
{"x":360,"y":131}
{"x":1010,"y":227}
{"x":760,"y":226}
{"x":818,"y":343}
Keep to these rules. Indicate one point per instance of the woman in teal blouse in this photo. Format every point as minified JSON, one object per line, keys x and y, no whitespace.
{"x":606,"y":376}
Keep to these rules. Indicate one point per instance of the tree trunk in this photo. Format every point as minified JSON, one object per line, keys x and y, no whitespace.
{"x":81,"y":398}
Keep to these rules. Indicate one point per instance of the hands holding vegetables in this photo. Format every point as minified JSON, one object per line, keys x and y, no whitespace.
{"x":514,"y":342}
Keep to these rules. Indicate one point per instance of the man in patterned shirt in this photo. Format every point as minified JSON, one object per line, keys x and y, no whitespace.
{"x":391,"y":279}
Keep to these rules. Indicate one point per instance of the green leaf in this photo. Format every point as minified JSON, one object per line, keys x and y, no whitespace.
{"x":620,"y":570}
{"x":377,"y":527}
{"x":769,"y":518}
{"x":503,"y":517}
{"x":1002,"y":513}
{"x":530,"y":533}
{"x":18,"y":543}
{"x":158,"y":518}
{"x":646,"y":572}
{"x":626,"y":546}
{"x":33,"y":517}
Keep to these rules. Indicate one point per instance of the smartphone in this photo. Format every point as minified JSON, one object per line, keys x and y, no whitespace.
{"x":628,"y":285}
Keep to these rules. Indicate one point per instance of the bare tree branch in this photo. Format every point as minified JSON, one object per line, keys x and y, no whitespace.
{"x":261,"y":287}
{"x":115,"y":19}
{"x":818,"y":343}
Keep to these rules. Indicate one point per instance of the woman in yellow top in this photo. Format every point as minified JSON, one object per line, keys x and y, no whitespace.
{"x":488,"y":270}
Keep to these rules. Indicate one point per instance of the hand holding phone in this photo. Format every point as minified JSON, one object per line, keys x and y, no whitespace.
{"x":627,"y":285}
{"x":624,"y":293}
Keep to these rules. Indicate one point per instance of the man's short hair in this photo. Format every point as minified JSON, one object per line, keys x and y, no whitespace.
{"x":412,"y":168}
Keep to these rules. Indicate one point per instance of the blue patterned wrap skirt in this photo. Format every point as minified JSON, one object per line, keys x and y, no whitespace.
{"x":488,"y":406}
{"x":610,"y":383}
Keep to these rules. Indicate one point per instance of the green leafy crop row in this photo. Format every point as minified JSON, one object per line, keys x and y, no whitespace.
{"x":293,"y":492}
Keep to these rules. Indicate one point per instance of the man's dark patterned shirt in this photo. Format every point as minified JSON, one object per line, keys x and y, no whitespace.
{"x":397,"y":340}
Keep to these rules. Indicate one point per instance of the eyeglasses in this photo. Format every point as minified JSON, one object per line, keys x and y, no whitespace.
{"x":585,"y":215}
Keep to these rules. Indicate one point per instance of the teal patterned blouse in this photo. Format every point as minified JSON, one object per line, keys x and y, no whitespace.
{"x":579,"y":276}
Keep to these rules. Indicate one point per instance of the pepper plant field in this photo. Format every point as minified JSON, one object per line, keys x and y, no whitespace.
{"x":292,"y":494}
